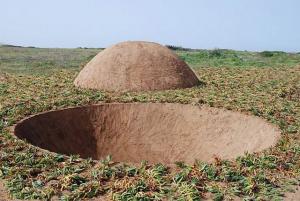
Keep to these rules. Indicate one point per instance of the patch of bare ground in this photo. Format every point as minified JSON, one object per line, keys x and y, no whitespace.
{"x":293,"y":196}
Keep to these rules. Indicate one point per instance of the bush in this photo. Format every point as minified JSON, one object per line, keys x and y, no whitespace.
{"x":173,"y":47}
{"x":267,"y":54}
{"x":216,"y":53}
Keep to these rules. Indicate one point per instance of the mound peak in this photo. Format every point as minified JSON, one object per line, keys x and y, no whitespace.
{"x":136,"y":66}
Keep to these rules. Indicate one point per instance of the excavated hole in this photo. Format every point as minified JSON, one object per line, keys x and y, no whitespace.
{"x":156,"y":132}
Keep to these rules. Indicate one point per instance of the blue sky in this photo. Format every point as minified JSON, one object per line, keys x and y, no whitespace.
{"x":206,"y":24}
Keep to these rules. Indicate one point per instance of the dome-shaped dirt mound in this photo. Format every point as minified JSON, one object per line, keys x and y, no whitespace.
{"x":136,"y":66}
{"x":154,"y":132}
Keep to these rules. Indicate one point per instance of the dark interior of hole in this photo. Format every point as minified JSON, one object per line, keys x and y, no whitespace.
{"x":61,"y":132}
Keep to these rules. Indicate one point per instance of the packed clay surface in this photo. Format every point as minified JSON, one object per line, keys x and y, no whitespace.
{"x":136,"y":66}
{"x":2,"y":78}
{"x":156,"y":132}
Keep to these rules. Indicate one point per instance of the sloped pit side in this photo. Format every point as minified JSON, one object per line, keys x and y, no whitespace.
{"x":156,"y":132}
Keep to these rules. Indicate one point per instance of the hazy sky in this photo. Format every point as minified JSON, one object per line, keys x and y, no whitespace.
{"x":231,"y":24}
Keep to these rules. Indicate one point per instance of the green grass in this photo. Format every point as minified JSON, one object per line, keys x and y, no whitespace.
{"x":231,"y":58}
{"x":42,"y":60}
{"x":270,"y":91}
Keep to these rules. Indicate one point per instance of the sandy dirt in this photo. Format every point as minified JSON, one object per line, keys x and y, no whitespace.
{"x":4,"y":196}
{"x":293,"y":196}
{"x":3,"y":78}
{"x":3,"y":193}
{"x":156,"y":132}
{"x":136,"y":66}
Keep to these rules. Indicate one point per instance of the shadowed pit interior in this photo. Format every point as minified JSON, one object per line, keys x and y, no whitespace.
{"x":156,"y":132}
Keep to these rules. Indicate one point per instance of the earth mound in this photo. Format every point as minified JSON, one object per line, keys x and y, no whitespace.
{"x":136,"y":66}
{"x":156,"y":132}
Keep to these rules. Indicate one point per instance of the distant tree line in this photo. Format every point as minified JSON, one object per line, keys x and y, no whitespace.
{"x":174,"y":47}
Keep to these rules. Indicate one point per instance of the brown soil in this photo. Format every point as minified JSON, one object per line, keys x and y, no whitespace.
{"x":3,"y":78}
{"x":136,"y":66}
{"x":156,"y":132}
{"x":293,"y":196}
{"x":4,"y":196}
{"x":3,"y":193}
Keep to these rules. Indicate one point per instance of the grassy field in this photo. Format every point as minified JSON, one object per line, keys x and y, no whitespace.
{"x":42,"y":60}
{"x":264,"y":84}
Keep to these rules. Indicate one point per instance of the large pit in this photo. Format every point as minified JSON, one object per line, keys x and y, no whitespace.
{"x":156,"y":132}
